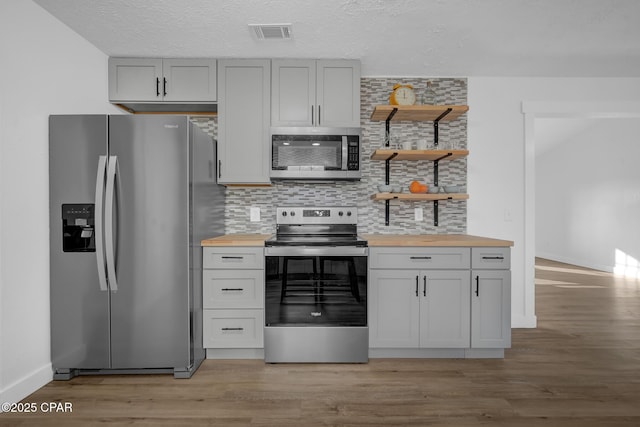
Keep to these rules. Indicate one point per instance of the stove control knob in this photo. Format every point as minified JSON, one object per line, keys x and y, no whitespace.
{"x":348,"y":213}
{"x":284,"y":213}
{"x":340,"y":213}
{"x":292,"y":213}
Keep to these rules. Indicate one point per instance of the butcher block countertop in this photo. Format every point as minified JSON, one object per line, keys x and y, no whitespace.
{"x":463,"y":240}
{"x":237,"y":240}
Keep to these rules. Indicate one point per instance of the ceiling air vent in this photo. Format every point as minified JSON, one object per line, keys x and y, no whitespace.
{"x":271,"y":31}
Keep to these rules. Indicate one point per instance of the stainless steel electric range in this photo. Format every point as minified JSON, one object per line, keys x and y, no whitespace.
{"x":316,"y":287}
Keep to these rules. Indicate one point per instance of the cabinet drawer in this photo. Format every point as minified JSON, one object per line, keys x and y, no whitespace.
{"x":233,"y":257}
{"x":419,"y":258}
{"x":233,"y":288}
{"x":233,"y":328}
{"x":491,"y":258}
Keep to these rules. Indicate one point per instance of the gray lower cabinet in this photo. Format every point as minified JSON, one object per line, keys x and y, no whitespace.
{"x":162,"y":80}
{"x":434,"y":298}
{"x":233,"y":297}
{"x":419,"y":309}
{"x":244,"y":120}
{"x":491,"y":298}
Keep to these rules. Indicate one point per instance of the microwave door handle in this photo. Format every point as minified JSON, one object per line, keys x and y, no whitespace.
{"x":345,"y":152}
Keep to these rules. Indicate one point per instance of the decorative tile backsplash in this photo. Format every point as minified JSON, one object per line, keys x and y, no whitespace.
{"x":452,"y":215}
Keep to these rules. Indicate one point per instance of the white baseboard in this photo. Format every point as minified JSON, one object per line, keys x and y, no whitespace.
{"x":235,"y":353}
{"x":22,"y":388}
{"x":524,"y":321}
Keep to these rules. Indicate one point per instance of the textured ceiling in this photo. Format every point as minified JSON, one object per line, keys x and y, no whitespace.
{"x":572,"y":38}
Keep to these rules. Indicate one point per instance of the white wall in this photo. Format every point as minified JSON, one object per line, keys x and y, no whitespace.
{"x":496,"y":163}
{"x":587,"y":205}
{"x":46,"y":69}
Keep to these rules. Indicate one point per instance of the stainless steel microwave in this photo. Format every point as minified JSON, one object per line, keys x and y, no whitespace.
{"x":315,"y":153}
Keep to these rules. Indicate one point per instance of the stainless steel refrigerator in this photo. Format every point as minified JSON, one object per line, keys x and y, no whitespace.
{"x":131,"y":197}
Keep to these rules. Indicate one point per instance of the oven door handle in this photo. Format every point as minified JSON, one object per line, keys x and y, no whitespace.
{"x":316,"y":251}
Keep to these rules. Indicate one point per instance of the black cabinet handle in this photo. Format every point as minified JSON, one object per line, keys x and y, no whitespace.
{"x":420,"y":257}
{"x":477,"y":286}
{"x":231,"y":289}
{"x":157,"y":86}
{"x":492,"y":257}
{"x":417,"y":294}
{"x":312,"y":117}
{"x":232,"y":329}
{"x":232,"y":257}
{"x":424,"y":288}
{"x":319,"y":116}
{"x":164,"y":86}
{"x":219,"y":168}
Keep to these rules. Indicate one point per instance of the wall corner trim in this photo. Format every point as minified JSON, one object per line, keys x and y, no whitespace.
{"x":28,"y":384}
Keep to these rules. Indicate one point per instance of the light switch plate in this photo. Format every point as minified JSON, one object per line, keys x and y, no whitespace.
{"x":419,"y":215}
{"x":255,"y":214}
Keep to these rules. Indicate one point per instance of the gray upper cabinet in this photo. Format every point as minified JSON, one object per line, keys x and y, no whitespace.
{"x":192,"y":80}
{"x":243,"y":121}
{"x":315,"y":93}
{"x":162,"y":80}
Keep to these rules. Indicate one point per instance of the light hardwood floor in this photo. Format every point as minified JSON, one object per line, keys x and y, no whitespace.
{"x":580,"y":367}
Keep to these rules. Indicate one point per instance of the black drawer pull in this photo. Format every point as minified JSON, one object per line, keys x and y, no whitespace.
{"x":232,"y":289}
{"x":492,"y":257}
{"x":417,"y":294}
{"x":232,"y":257}
{"x":233,"y":329}
{"x":420,"y":257}
{"x":477,"y":286}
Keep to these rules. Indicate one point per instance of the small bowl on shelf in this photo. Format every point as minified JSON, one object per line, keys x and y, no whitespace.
{"x":384,"y":188}
{"x":433,"y":189}
{"x":396,"y":188}
{"x":452,"y":189}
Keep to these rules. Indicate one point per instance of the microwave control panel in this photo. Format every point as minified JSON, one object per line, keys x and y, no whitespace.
{"x":353,"y":147}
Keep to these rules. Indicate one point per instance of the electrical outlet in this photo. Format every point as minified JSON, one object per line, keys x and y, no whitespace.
{"x":419,"y":215}
{"x":255,"y":214}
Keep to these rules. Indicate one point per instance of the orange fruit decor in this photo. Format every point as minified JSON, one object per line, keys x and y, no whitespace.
{"x":416,"y":187}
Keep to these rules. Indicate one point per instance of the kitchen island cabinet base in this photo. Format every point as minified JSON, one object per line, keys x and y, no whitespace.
{"x":436,"y":353}
{"x":374,"y":353}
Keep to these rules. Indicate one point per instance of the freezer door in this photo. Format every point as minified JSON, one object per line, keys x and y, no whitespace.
{"x":150,"y":309}
{"x":79,"y":309}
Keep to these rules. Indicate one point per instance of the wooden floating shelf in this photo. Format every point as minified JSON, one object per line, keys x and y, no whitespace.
{"x":391,"y":154}
{"x":419,"y":196}
{"x":418,"y":112}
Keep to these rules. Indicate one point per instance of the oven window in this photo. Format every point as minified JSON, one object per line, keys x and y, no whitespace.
{"x":316,"y":291}
{"x":323,"y":152}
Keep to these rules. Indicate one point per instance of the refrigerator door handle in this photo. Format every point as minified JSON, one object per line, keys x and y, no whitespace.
{"x":110,"y":195}
{"x":100,"y":182}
